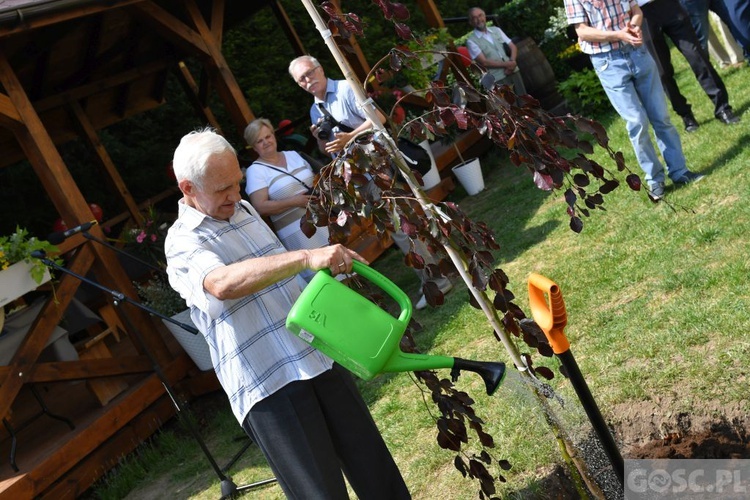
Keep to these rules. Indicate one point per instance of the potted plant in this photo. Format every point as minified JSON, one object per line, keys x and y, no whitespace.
{"x":429,"y":50}
{"x":157,"y":294}
{"x":468,"y":172}
{"x":19,"y":271}
{"x":145,"y":242}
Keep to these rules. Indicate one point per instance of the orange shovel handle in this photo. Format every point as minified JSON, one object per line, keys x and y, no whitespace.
{"x":551,"y":317}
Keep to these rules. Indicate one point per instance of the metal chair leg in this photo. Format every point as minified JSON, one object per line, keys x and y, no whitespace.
{"x":46,"y":410}
{"x":13,"y":442}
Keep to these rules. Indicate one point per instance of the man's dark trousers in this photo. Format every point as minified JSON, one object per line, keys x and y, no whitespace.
{"x":669,"y":17}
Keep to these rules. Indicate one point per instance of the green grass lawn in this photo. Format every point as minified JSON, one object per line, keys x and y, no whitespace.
{"x":658,"y":312}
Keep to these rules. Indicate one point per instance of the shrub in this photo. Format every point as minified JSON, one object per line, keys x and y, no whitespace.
{"x":584,"y":93}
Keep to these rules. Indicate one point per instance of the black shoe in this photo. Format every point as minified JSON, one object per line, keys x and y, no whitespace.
{"x":689,"y":178}
{"x":727,"y":117}
{"x":691,"y":125}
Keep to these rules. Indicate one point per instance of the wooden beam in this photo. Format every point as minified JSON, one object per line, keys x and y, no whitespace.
{"x":288,"y":28}
{"x":172,"y":28}
{"x":193,"y":94}
{"x":217,"y":20}
{"x":57,"y":371}
{"x":431,"y":13}
{"x":9,"y":116}
{"x":222,"y":77}
{"x":217,"y":30}
{"x":88,"y":133}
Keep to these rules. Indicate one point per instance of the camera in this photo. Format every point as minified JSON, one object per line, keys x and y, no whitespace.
{"x":327,"y":128}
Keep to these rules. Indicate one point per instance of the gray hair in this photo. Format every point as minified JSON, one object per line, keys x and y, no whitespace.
{"x":471,"y":11}
{"x":191,"y":156}
{"x":300,"y":59}
{"x":252,"y":131}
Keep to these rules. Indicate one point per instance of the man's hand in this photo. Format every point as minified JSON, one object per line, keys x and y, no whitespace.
{"x":631,"y":34}
{"x":339,"y":143}
{"x":337,"y":258}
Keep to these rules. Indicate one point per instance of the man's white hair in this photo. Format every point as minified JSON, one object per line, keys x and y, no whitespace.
{"x":191,"y":156}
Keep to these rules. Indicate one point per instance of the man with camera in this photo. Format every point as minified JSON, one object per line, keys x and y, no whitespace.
{"x":334,"y":102}
{"x":336,"y":119}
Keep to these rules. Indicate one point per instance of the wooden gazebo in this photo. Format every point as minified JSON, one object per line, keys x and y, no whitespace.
{"x":69,"y":68}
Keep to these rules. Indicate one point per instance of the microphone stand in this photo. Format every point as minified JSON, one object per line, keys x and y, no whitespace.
{"x":122,"y":252}
{"x":228,"y":488}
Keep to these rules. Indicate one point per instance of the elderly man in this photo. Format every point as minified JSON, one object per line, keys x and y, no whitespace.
{"x":336,"y":99}
{"x":610,"y":32}
{"x":487,"y":46}
{"x":333,"y":98}
{"x":302,"y":410}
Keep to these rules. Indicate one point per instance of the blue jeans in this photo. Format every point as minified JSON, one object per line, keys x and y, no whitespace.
{"x":631,"y":80}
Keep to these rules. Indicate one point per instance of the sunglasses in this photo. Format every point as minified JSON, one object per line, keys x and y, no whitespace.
{"x":307,"y":75}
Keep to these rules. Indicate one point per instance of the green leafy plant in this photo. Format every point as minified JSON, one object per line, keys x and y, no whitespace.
{"x":426,"y":50}
{"x":157,"y":294}
{"x":18,"y":247}
{"x":584,"y":93}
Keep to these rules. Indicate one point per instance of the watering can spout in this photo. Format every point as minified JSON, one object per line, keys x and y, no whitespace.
{"x":491,"y":372}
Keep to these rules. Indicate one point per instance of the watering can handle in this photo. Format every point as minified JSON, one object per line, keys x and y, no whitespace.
{"x":551,"y":317}
{"x":387,"y":286}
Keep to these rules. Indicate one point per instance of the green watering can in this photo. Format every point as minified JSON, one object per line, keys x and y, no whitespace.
{"x":364,"y":338}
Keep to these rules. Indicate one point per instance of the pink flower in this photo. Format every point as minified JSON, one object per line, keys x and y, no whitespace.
{"x":153,"y":238}
{"x":141,"y":237}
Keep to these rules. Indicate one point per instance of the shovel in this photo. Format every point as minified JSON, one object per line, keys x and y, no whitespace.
{"x":552,"y":319}
{"x":362,"y":337}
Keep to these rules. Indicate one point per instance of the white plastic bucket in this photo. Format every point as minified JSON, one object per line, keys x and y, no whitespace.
{"x":469,"y":174}
{"x":431,"y":178}
{"x":194,"y":345}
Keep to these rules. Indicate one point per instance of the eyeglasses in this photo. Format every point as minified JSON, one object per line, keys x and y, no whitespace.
{"x":307,"y":75}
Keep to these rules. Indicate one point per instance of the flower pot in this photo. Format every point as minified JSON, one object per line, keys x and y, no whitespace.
{"x":194,"y":345}
{"x":431,"y":178}
{"x":469,"y":174}
{"x":16,"y":280}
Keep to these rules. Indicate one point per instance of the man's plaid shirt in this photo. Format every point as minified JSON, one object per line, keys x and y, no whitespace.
{"x":606,"y":15}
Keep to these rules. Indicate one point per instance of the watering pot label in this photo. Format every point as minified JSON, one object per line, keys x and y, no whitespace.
{"x":683,"y":479}
{"x":306,"y":336}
